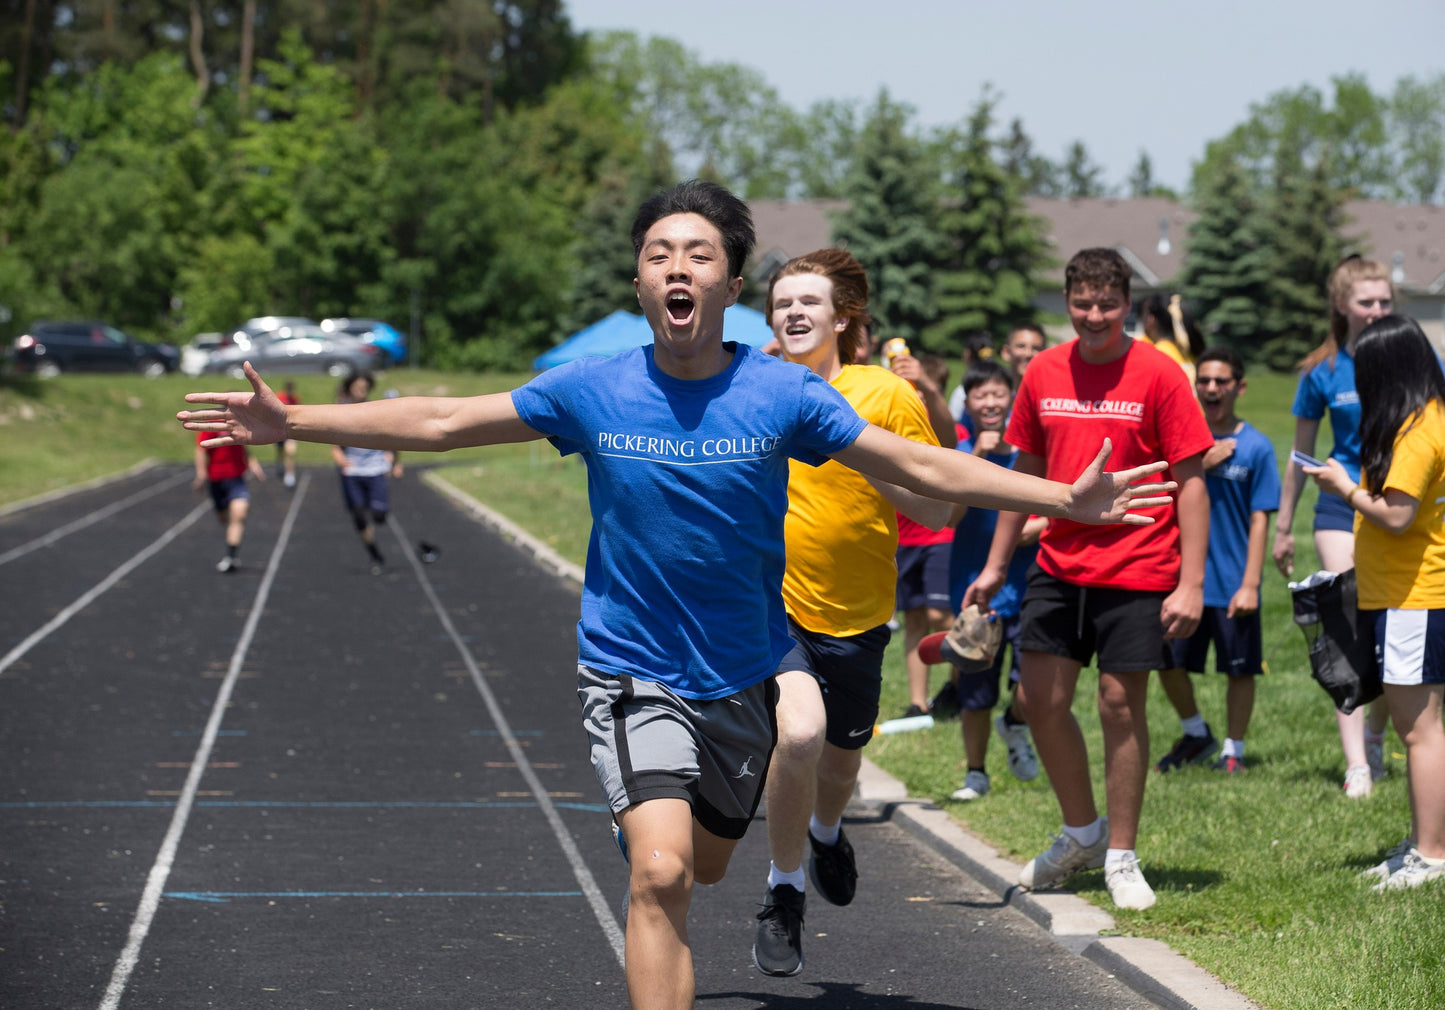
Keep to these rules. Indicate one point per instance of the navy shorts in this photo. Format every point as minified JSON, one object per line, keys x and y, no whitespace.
{"x":1121,"y":626}
{"x":1409,"y":645}
{"x":978,"y":692}
{"x":1238,"y":644}
{"x":369,"y":493}
{"x":1333,"y":513}
{"x":923,"y":577}
{"x":849,"y":671}
{"x":227,"y":490}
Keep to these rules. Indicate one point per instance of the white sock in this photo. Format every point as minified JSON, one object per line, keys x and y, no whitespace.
{"x":1233,"y":748}
{"x":825,"y":833}
{"x":777,"y":876}
{"x":1194,"y":725}
{"x":1087,"y":835}
{"x":1114,"y":857}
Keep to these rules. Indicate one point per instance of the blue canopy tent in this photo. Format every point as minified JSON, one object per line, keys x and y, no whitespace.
{"x":622,"y":330}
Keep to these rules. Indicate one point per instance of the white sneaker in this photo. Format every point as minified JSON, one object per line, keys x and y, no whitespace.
{"x":1375,"y":757}
{"x":226,"y":564}
{"x":1127,"y":885}
{"x":975,"y":787}
{"x":1413,"y":872}
{"x":1064,"y":858}
{"x":1358,"y":783}
{"x":1394,"y":859}
{"x":1022,"y":761}
{"x":289,"y":480}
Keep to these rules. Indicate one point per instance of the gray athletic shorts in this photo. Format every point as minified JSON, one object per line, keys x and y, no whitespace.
{"x":648,"y":743}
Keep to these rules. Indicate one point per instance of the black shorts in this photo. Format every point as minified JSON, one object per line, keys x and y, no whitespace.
{"x":1238,"y":644}
{"x":923,"y":577}
{"x":1121,"y":625}
{"x":849,"y":671}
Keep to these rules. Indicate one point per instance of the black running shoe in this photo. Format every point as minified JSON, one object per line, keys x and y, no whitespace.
{"x":1188,"y":750}
{"x":778,"y":947}
{"x":945,"y":703}
{"x":833,"y":870}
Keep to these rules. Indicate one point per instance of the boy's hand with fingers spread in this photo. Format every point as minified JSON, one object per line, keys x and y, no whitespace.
{"x":238,"y":418}
{"x":1100,"y":497}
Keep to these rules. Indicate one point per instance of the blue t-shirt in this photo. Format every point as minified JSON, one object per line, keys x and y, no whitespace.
{"x":1330,"y":388}
{"x":971,"y":540}
{"x":688,"y":487}
{"x":1243,"y":484}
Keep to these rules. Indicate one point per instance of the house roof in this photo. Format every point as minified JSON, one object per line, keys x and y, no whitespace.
{"x":1152,"y":233}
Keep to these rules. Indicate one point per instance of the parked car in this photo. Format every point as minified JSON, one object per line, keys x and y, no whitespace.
{"x":195,"y":354}
{"x":50,"y":347}
{"x":298,"y":348}
{"x":384,"y":336}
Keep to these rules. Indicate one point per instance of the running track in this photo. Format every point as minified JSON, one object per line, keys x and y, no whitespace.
{"x":302,"y":785}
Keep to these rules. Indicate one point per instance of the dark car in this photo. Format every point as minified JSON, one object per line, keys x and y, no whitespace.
{"x":49,"y":348}
{"x":385,"y":337}
{"x":294,"y":348}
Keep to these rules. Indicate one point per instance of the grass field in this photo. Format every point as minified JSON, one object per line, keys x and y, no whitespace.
{"x":1257,"y":874}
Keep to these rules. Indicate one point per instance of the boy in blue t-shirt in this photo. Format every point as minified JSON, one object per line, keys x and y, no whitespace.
{"x":1244,"y":489}
{"x":687,"y":443}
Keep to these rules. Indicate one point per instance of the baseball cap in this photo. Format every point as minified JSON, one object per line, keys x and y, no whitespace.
{"x":970,"y":644}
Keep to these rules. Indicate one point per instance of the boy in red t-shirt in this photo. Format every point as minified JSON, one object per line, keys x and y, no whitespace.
{"x":1116,"y":592}
{"x":224,"y":469}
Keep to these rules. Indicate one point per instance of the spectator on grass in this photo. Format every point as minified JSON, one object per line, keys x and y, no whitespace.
{"x":1243,"y":491}
{"x":682,"y":621}
{"x":989,"y":391}
{"x":1360,"y":293}
{"x":1400,"y":570}
{"x":1119,"y":595}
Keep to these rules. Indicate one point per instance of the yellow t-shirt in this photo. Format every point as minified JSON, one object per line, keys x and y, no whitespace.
{"x":841,"y":534}
{"x":1407,"y":570}
{"x":1172,"y":351}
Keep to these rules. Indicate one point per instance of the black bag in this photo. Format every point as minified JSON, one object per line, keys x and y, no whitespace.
{"x":1341,"y":642}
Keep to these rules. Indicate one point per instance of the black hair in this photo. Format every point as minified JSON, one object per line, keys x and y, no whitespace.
{"x":1098,"y":268}
{"x":1031,"y":327}
{"x":343,"y":391}
{"x":978,"y":346}
{"x":1156,"y":307}
{"x":981,"y":372}
{"x":725,"y":212}
{"x":1225,"y":354}
{"x":1396,"y":375}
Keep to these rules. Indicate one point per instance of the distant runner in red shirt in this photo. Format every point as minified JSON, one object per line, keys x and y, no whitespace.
{"x":224,"y":469}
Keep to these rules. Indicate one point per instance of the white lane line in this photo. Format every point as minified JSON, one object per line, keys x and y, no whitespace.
{"x":91,"y":519}
{"x":64,"y":492}
{"x":165,"y":858}
{"x":100,"y":587}
{"x":585,"y":880}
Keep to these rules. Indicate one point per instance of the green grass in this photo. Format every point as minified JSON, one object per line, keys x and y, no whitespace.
{"x":1257,"y":875}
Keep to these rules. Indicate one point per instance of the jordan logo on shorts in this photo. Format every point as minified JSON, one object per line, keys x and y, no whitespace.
{"x":745,"y":771}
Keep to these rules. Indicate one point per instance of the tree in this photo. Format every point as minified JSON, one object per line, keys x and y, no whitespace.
{"x":1416,"y":128}
{"x":1037,"y":175}
{"x":1082,"y":176}
{"x":889,"y":223}
{"x":1226,"y":269}
{"x":995,"y":249}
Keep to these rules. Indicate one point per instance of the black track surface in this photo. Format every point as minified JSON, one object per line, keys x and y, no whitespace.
{"x":362,"y":835}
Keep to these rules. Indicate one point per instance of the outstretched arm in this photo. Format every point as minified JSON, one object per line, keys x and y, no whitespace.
{"x":1096,"y":497}
{"x":425,"y":423}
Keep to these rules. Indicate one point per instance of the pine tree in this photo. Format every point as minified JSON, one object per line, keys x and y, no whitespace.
{"x":1226,"y":270}
{"x":994,"y":248}
{"x":889,"y":223}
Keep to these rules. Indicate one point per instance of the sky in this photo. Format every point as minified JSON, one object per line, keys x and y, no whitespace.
{"x":1123,"y":76}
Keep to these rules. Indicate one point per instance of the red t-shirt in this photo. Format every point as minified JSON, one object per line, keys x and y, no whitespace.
{"x":912,"y":534}
{"x":1065,"y":409}
{"x":225,"y":462}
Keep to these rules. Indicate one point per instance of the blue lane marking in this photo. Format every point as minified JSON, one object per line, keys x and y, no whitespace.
{"x":297,"y":805}
{"x":222,"y":897}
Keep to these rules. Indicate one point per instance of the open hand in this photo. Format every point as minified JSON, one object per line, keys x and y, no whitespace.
{"x":254,"y":418}
{"x":1331,"y":477}
{"x":1101,"y":498}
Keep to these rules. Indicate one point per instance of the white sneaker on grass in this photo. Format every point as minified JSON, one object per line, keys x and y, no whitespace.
{"x":1358,"y":782}
{"x":1127,"y":885}
{"x":1394,"y":859}
{"x":1022,"y":762}
{"x":1413,"y":872}
{"x":975,"y":787}
{"x":1064,"y":858}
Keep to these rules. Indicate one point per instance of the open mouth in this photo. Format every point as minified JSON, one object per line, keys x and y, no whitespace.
{"x":679,"y":308}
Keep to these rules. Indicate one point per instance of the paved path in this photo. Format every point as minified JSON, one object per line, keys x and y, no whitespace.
{"x":302,"y":785}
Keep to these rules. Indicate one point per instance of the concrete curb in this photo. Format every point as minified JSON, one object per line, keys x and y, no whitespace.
{"x":1148,"y":967}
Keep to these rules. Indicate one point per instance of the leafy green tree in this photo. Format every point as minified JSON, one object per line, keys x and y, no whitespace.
{"x":995,"y":249}
{"x":890,"y":221}
{"x":1227,"y":267}
{"x":1416,"y":127}
{"x":1081,"y":175}
{"x":1141,"y":180}
{"x":1037,"y":175}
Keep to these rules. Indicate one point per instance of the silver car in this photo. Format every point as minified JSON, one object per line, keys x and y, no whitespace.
{"x":303,"y":347}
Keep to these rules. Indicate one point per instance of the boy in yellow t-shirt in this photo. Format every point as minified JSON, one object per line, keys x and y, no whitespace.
{"x":841,"y":534}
